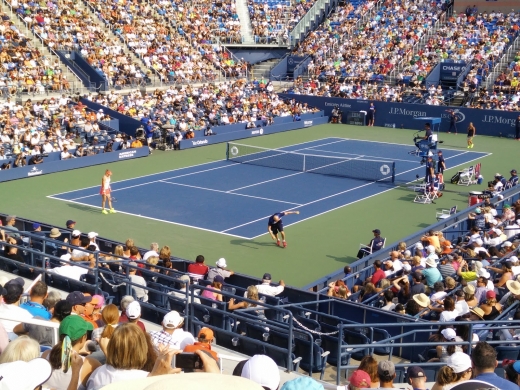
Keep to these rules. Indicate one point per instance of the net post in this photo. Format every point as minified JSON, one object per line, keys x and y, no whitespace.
{"x":393,"y":172}
{"x":303,"y":163}
{"x":227,"y":150}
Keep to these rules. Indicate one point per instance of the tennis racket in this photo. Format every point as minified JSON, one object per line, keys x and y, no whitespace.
{"x":113,"y":199}
{"x":66,"y":353}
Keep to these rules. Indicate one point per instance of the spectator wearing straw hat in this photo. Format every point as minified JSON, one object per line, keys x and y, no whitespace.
{"x":513,"y":295}
{"x":219,"y":270}
{"x":431,"y":273}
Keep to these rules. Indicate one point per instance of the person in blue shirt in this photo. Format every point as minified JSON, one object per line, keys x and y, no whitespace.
{"x":513,"y":181}
{"x":484,"y":361}
{"x":275,"y":226}
{"x":35,"y":304}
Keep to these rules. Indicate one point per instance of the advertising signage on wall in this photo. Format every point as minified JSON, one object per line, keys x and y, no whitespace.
{"x":402,"y":115}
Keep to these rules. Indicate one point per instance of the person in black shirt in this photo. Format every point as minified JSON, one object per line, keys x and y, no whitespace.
{"x":441,"y":164}
{"x":430,"y":170}
{"x":453,"y":121}
{"x":36,"y":159}
{"x":428,"y":129}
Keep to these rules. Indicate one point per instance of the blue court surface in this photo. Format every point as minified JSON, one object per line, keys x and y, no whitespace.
{"x":236,"y":199}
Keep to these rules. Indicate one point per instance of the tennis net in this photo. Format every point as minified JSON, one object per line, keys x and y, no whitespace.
{"x":355,"y":168}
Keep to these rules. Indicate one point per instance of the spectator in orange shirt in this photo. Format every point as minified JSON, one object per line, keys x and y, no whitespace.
{"x":205,"y":338}
{"x":136,"y":144}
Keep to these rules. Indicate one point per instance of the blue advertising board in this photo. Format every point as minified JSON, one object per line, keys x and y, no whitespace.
{"x":402,"y":115}
{"x":450,"y":71}
{"x":254,"y":132}
{"x":56,"y":165}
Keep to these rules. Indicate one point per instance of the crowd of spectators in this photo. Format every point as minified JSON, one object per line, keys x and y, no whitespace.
{"x":24,"y":68}
{"x":180,"y":44}
{"x":29,"y":132}
{"x":272,"y":22}
{"x":189,"y":109}
{"x":110,"y":344}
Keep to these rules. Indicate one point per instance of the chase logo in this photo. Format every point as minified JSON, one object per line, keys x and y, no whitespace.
{"x":201,"y":142}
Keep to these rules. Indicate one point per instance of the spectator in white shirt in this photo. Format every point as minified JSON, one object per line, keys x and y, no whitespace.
{"x":65,"y":155}
{"x":140,"y":293}
{"x":11,"y":293}
{"x":266,"y":289}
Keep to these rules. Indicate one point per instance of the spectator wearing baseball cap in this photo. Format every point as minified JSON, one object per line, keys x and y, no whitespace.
{"x":172,"y":333}
{"x":359,"y":380}
{"x":82,"y":305}
{"x":491,"y":307}
{"x":266,"y":289}
{"x":205,"y":338}
{"x":133,"y":312}
{"x":11,"y":293}
{"x":260,"y":369}
{"x":386,"y":373}
{"x":125,"y":302}
{"x":70,"y":224}
{"x":184,"y":281}
{"x":513,"y":181}
{"x":92,"y":237}
{"x":77,"y":329}
{"x":219,"y":270}
{"x":457,"y":369}
{"x":416,"y":377}
{"x":216,"y":287}
{"x":374,"y":245}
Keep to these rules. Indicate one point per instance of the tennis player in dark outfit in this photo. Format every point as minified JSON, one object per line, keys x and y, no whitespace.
{"x":453,"y":121}
{"x":275,"y":226}
{"x":441,"y":164}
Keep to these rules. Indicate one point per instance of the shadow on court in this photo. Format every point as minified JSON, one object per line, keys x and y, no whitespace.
{"x":251,"y":244}
{"x":346,"y":259}
{"x":88,"y":209}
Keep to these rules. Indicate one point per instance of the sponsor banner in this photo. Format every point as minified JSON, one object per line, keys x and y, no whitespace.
{"x":53,"y":165}
{"x":450,"y":71}
{"x":403,"y":115}
{"x":231,"y":136}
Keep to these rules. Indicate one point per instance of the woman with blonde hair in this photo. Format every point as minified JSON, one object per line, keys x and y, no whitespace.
{"x":338,"y":289}
{"x":23,"y":348}
{"x":127,"y":355}
{"x":165,"y":253}
{"x":128,"y":244}
{"x":110,"y":317}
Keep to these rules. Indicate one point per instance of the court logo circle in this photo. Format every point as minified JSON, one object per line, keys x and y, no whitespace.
{"x":234,"y":150}
{"x":385,"y":169}
{"x":261,"y":131}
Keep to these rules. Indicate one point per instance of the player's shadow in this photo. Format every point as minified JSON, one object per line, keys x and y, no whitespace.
{"x":250,"y":243}
{"x":88,"y":209}
{"x":345,"y":259}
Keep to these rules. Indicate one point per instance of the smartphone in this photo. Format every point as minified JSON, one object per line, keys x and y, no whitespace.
{"x":187,"y":361}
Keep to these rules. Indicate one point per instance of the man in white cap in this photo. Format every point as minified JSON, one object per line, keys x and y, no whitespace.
{"x":260,"y":369}
{"x":172,"y":334}
{"x":92,"y":236}
{"x":219,"y":270}
{"x":492,"y":237}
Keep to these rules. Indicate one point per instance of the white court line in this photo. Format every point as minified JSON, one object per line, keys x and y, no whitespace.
{"x":170,"y":178}
{"x":355,"y":154}
{"x":226,"y":192}
{"x":154,"y":219}
{"x":341,"y":193}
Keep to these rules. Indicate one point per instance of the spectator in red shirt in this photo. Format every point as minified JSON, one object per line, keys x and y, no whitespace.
{"x":374,"y":279}
{"x":198,"y":270}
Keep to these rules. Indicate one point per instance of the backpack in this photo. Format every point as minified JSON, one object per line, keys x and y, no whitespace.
{"x":455,"y":178}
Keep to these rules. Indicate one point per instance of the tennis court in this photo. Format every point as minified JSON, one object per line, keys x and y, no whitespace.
{"x":236,"y":199}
